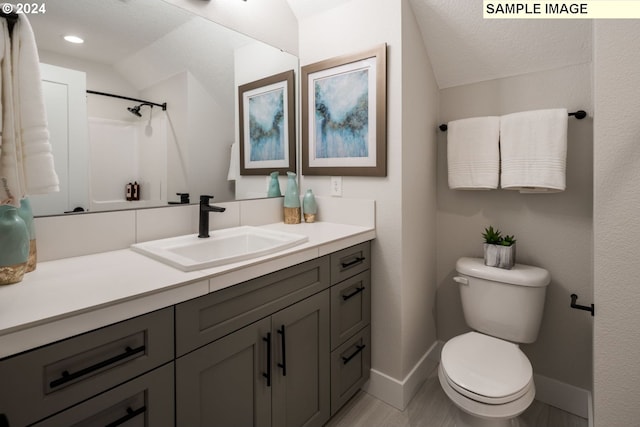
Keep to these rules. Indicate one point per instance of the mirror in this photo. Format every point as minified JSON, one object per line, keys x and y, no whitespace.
{"x":153,"y":53}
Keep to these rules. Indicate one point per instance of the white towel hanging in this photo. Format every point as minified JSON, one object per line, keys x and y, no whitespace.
{"x":473,"y":157}
{"x":533,"y":149}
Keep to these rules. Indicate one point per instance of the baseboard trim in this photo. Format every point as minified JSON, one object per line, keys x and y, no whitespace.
{"x":398,"y":393}
{"x":565,"y":396}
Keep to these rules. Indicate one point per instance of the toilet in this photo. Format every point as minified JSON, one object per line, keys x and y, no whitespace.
{"x":484,"y":372}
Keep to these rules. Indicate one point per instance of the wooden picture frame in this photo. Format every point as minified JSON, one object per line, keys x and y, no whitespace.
{"x":344,"y":130}
{"x":267,"y":123}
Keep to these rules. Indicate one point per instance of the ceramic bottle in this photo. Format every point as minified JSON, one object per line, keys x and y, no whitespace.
{"x":26,"y":213}
{"x":14,"y":246}
{"x":309,"y":206}
{"x":292,"y":208}
{"x":274,"y":186}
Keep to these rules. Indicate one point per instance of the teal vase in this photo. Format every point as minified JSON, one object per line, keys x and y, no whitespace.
{"x":26,"y":213}
{"x":309,"y":206}
{"x":292,"y":208}
{"x":274,"y":186}
{"x":14,"y":246}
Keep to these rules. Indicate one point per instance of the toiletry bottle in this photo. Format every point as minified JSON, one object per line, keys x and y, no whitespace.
{"x":129,"y":191}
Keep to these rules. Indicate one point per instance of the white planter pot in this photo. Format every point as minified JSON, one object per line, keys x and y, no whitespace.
{"x":500,"y":256}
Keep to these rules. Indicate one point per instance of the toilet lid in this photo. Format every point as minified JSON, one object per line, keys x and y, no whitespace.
{"x":486,"y":366}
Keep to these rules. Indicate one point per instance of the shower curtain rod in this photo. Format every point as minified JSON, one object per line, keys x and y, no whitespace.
{"x":580,"y":114}
{"x":95,"y":92}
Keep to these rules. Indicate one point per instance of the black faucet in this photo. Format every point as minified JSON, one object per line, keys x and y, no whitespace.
{"x":205,"y":208}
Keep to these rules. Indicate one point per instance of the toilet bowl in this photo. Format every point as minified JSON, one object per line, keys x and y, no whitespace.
{"x":484,"y":372}
{"x":489,"y":379}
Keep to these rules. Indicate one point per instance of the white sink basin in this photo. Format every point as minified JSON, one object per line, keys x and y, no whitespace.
{"x":190,"y":253}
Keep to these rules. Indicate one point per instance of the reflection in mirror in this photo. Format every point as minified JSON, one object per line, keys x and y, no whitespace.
{"x":155,"y":53}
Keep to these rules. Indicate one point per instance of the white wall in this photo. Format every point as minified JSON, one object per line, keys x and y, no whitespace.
{"x":271,"y":21}
{"x":617,"y":223}
{"x":402,"y":269}
{"x":553,"y":231}
{"x":102,"y":78}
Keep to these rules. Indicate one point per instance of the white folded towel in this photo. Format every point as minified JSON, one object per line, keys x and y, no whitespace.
{"x":473,"y":155}
{"x":11,"y":179}
{"x":234,"y":162}
{"x":31,"y":119}
{"x":533,"y":147}
{"x":26,"y":159}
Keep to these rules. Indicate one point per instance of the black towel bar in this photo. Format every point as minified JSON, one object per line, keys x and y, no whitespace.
{"x":580,"y":114}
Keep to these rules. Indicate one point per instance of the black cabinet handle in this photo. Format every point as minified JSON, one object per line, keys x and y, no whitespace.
{"x":4,"y":422}
{"x":357,"y":260}
{"x":267,"y":374}
{"x":353,"y":294}
{"x":346,"y":360}
{"x":67,"y":377}
{"x":283,"y":365}
{"x":130,"y":414}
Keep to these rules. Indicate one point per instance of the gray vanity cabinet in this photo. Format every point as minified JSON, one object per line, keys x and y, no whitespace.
{"x":223,"y":383}
{"x":275,"y":371}
{"x":52,"y":378}
{"x":350,"y":322}
{"x":301,"y":373}
{"x":144,"y":401}
{"x":287,"y":349}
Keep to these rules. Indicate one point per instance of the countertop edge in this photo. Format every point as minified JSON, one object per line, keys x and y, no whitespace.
{"x":29,"y":335}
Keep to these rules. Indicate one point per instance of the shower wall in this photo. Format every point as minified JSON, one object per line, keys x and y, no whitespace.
{"x":123,"y":152}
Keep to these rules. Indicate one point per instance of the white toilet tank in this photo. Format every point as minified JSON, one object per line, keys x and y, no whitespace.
{"x":506,"y":304}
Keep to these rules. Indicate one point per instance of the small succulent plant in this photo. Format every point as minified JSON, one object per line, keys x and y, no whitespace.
{"x":491,"y":236}
{"x":494,"y":237}
{"x":508,"y":240}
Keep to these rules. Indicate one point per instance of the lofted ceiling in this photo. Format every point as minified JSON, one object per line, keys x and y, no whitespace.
{"x":465,"y":48}
{"x":462,"y":46}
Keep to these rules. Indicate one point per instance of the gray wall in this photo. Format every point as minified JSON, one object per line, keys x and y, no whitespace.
{"x":616,"y":390}
{"x":554,"y":231}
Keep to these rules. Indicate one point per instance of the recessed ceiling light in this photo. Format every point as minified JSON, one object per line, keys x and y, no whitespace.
{"x":74,"y":39}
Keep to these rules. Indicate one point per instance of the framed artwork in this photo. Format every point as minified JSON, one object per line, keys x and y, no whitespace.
{"x":344,"y":115}
{"x":267,"y":125}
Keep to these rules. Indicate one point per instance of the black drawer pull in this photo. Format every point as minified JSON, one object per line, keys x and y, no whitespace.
{"x":283,"y":365}
{"x":353,"y":294}
{"x":130,"y":414}
{"x":67,"y":377}
{"x":346,"y":360}
{"x":267,"y":374}
{"x":357,"y":260}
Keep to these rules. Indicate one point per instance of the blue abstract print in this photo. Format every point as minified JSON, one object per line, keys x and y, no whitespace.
{"x":342,"y":115}
{"x":267,"y":126}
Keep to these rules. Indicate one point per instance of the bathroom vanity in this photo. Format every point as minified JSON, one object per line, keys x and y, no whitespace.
{"x":285,"y":348}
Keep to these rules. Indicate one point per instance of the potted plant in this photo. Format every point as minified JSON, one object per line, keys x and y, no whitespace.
{"x":499,"y":251}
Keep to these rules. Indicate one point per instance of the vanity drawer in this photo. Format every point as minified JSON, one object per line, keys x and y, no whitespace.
{"x":205,"y":319}
{"x":350,"y":261}
{"x":350,"y":307}
{"x":49,"y":379}
{"x":143,"y":401}
{"x":350,"y":366}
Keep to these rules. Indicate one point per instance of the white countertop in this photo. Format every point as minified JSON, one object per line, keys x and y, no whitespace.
{"x":66,"y":297}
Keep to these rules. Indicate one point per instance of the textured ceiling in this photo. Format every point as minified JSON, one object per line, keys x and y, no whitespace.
{"x":465,"y":48}
{"x":145,"y":41}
